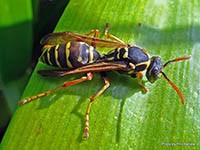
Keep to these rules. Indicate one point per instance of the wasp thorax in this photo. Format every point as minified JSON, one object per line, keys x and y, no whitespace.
{"x":154,"y":69}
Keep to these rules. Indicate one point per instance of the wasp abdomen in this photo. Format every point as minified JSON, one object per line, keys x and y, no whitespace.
{"x":69,"y":55}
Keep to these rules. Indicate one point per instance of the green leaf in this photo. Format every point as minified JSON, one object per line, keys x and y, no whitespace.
{"x":122,"y":117}
{"x":16,"y":38}
{"x":15,"y":54}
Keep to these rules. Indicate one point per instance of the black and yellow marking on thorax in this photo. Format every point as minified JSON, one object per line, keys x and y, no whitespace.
{"x":122,"y":53}
{"x":117,"y":54}
{"x":142,"y":66}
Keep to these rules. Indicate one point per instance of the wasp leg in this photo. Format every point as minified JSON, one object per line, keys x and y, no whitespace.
{"x":96,"y":35}
{"x":139,"y":76}
{"x":107,"y":84}
{"x":95,"y":31}
{"x":66,"y":84}
{"x":110,"y":36}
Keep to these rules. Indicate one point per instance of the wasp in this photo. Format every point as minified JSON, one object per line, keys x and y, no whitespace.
{"x":74,"y":53}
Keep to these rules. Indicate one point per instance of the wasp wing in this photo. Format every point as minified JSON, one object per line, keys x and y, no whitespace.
{"x":64,"y":37}
{"x":95,"y":67}
{"x":58,"y":38}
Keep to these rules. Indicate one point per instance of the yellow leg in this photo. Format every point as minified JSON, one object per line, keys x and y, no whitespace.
{"x":96,"y":35}
{"x":139,"y":76}
{"x":107,"y":84}
{"x":95,"y":31}
{"x":110,"y":36}
{"x":66,"y":84}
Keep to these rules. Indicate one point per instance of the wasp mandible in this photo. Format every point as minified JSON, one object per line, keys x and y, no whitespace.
{"x":74,"y":53}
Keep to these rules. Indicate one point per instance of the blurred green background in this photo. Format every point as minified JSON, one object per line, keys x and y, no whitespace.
{"x":22,"y":24}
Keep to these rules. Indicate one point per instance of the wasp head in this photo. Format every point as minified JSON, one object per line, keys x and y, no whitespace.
{"x":154,"y":69}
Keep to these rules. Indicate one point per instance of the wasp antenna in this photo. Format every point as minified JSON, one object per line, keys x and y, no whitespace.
{"x":176,"y":59}
{"x":175,"y":87}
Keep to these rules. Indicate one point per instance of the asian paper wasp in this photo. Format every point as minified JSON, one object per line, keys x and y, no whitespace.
{"x":75,"y":53}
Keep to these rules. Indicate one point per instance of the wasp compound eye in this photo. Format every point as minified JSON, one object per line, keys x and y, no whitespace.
{"x":154,"y":69}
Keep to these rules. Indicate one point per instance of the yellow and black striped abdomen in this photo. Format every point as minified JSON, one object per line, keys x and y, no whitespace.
{"x":69,"y":55}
